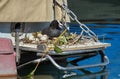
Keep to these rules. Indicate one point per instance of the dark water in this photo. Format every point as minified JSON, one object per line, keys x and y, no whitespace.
{"x":96,"y":9}
{"x":109,"y":33}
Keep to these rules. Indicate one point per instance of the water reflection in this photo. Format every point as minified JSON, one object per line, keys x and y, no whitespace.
{"x":48,"y":71}
{"x":13,"y":77}
{"x":98,"y":75}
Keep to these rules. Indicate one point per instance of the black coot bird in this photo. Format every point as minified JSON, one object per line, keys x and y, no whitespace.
{"x":54,"y":30}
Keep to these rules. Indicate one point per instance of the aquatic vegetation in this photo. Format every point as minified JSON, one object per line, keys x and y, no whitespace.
{"x":57,"y":49}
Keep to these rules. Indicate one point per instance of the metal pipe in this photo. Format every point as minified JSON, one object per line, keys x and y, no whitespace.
{"x":78,"y":67}
{"x":17,"y":47}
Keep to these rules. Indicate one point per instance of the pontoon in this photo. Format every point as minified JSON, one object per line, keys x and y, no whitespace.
{"x":22,"y":22}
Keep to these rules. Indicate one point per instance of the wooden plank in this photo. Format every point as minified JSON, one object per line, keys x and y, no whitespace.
{"x":73,"y":47}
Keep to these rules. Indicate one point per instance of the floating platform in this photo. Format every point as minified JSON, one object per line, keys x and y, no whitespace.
{"x":94,"y":45}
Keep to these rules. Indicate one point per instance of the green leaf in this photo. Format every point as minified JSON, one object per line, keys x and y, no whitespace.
{"x":57,"y":49}
{"x":63,"y":40}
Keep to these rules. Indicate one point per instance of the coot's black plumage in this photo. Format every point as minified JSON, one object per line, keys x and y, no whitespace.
{"x":54,"y":30}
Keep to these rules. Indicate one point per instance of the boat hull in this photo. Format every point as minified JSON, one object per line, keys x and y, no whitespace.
{"x":7,"y":58}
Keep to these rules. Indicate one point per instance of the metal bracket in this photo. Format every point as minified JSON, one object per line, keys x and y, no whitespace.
{"x":106,"y":61}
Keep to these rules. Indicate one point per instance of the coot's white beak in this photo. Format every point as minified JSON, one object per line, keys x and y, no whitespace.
{"x":60,"y":25}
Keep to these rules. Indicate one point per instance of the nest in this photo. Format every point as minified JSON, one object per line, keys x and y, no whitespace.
{"x":67,"y":40}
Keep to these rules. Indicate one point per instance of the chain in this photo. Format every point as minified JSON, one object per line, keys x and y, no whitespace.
{"x":74,"y":18}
